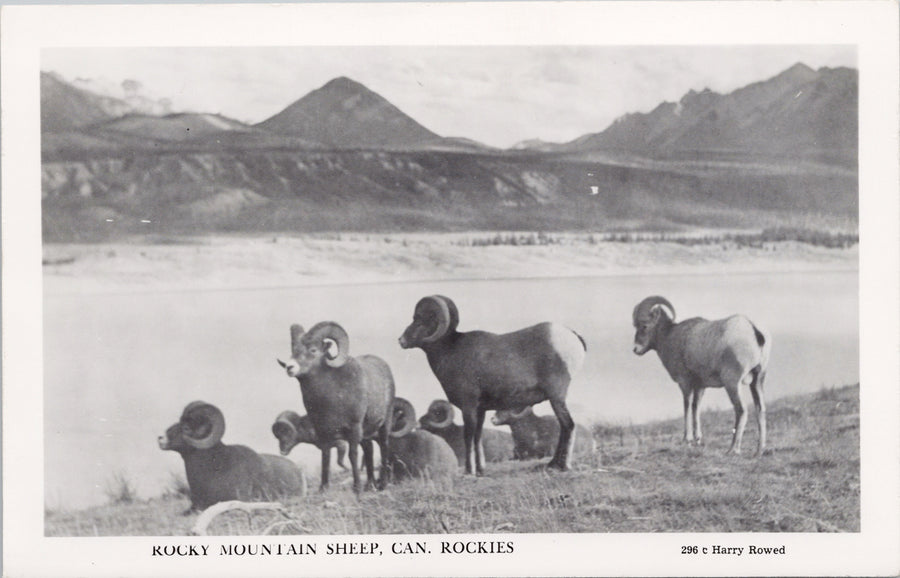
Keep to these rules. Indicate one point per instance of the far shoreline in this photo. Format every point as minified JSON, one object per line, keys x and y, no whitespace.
{"x":271,"y":262}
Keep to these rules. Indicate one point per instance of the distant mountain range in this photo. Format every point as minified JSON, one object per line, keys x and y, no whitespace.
{"x":797,"y":112}
{"x":342,"y":156}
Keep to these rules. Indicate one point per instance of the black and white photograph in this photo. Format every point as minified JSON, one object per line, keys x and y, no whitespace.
{"x":331,"y":297}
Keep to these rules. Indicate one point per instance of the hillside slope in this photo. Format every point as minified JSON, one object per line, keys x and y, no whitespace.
{"x":642,"y":479}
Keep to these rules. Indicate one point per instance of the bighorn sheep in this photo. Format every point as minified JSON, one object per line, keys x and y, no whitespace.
{"x":480,"y":371}
{"x":497,"y":445}
{"x":536,"y":436}
{"x":346,"y":398}
{"x":698,"y":354}
{"x":415,"y":452}
{"x":217,"y":472}
{"x":291,"y":429}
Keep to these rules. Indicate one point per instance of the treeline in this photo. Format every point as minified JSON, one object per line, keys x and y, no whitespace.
{"x":828,"y":239}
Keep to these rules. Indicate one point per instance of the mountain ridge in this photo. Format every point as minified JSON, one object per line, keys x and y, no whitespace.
{"x":798,"y":108}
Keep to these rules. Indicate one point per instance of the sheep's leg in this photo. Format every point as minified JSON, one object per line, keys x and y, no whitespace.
{"x":759,"y":400}
{"x":470,"y":421}
{"x":386,"y":474}
{"x":695,"y":413}
{"x":326,"y":462}
{"x":561,"y":458}
{"x":476,"y":442}
{"x":686,"y":395}
{"x":369,"y":461}
{"x":353,"y":439}
{"x":341,"y":455}
{"x":740,"y":416}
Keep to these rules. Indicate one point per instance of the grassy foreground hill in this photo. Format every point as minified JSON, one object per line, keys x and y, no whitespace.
{"x":642,"y":479}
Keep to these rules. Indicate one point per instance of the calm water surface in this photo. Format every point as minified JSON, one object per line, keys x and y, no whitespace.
{"x":119,"y":369}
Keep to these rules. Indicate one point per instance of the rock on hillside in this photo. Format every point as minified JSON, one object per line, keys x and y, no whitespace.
{"x":345,"y":114}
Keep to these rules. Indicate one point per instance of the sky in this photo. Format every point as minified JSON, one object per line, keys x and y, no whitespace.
{"x":497,"y":95}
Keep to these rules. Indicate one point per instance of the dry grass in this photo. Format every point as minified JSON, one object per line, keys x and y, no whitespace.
{"x":643,"y":479}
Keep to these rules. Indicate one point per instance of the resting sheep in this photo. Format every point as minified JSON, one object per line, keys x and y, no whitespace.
{"x":480,"y":371}
{"x":698,"y":354}
{"x":416,"y":453}
{"x":536,"y":436}
{"x":217,"y":472}
{"x":292,"y":429}
{"x":497,"y":445}
{"x":346,"y":398}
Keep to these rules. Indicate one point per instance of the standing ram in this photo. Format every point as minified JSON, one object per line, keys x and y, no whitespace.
{"x":536,"y":436}
{"x":480,"y":371}
{"x":497,"y":445}
{"x":217,"y":472}
{"x":346,"y":398}
{"x":698,"y":354}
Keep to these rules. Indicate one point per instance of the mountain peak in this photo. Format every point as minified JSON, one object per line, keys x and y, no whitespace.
{"x":344,"y":113}
{"x":798,"y":73}
{"x":342,"y":82}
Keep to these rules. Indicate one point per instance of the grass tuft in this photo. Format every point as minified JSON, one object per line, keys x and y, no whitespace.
{"x":119,"y":489}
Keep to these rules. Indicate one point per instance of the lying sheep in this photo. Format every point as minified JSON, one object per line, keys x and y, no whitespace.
{"x":292,"y":429}
{"x":698,"y":354}
{"x":536,"y":436}
{"x":416,"y":453}
{"x":217,"y":472}
{"x":480,"y":371}
{"x":346,"y":398}
{"x":497,"y":445}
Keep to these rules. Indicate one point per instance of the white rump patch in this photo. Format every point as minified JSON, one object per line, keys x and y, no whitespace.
{"x":569,"y":347}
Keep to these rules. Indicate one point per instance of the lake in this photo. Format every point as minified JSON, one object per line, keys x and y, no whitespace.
{"x":120,"y":368}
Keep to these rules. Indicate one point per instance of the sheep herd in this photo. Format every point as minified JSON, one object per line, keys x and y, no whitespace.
{"x":351,"y":402}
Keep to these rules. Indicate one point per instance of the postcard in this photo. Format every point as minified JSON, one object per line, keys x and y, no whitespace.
{"x":396,"y":289}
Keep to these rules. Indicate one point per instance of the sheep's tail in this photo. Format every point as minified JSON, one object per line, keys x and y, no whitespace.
{"x":760,"y":336}
{"x":580,"y":338}
{"x":764,"y":346}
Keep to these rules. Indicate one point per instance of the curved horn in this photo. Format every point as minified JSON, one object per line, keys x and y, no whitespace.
{"x":404,"y":417}
{"x":447,"y":315}
{"x":335,"y":342}
{"x":211,"y":422}
{"x":286,"y":420}
{"x":296,"y":334}
{"x":440,"y":407}
{"x":642,"y":309}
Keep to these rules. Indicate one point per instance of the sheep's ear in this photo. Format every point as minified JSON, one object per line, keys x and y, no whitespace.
{"x":331,"y":349}
{"x":281,"y":363}
{"x":334,"y":357}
